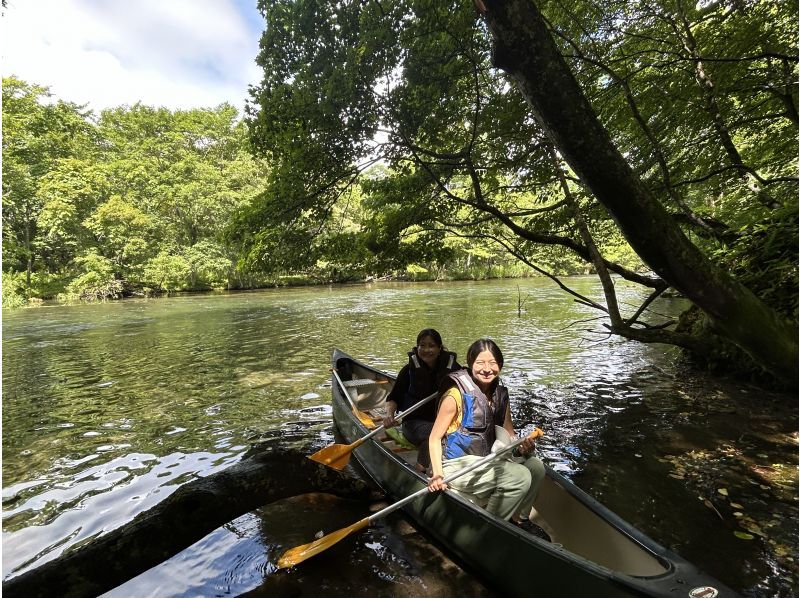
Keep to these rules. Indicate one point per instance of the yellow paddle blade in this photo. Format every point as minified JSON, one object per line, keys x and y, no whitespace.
{"x":364,"y":418}
{"x":298,"y":554}
{"x":335,"y":456}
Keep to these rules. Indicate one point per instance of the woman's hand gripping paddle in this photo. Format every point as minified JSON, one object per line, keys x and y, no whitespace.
{"x":298,"y":554}
{"x":338,"y":455}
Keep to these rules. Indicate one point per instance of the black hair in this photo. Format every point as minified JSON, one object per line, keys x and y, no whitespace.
{"x":481,"y":345}
{"x":434,"y":334}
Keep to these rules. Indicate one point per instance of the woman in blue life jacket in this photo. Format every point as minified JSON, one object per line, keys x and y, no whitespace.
{"x":463,"y":432}
{"x":428,"y":365}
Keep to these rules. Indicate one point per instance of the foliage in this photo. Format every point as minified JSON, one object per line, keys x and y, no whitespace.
{"x":703,"y":100}
{"x":457,"y":138}
{"x":166,"y":272}
{"x":14,"y":289}
{"x":36,"y":135}
{"x":122,"y":232}
{"x":699,"y":99}
{"x":765,"y":258}
{"x":97,"y":279}
{"x":208,"y":264}
{"x":98,"y":207}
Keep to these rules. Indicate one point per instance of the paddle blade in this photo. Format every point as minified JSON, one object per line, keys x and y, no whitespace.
{"x":335,"y":456}
{"x":298,"y":554}
{"x":364,"y":419}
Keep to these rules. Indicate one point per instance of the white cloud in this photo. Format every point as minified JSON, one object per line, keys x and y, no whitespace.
{"x":173,"y":53}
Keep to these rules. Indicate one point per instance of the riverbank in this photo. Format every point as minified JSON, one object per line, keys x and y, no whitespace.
{"x":13,"y":292}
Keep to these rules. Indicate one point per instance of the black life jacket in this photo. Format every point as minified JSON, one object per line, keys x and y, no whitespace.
{"x":424,"y":381}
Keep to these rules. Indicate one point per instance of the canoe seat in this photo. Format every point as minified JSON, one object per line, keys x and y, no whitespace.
{"x":363,"y":382}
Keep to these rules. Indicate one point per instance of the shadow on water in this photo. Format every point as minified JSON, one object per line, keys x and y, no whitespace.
{"x":687,"y":463}
{"x":390,"y":558}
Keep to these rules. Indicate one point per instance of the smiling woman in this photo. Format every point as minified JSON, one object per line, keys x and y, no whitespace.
{"x":464,"y":432}
{"x":419,"y":380}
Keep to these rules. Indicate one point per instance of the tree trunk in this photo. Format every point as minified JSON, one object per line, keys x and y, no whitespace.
{"x":524,"y":48}
{"x":28,"y":255}
{"x":191,"y":512}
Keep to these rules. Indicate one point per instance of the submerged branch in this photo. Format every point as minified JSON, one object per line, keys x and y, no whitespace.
{"x":192,"y":511}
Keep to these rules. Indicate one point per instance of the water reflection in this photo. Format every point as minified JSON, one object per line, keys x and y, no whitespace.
{"x":107,"y":408}
{"x":390,"y":558}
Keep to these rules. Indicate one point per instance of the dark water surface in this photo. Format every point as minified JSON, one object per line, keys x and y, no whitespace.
{"x":108,"y":408}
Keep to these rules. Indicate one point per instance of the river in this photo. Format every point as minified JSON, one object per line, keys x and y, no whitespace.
{"x":108,"y":408}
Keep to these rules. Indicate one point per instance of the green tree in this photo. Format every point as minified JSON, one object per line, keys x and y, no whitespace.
{"x":37,"y":134}
{"x":141,"y":194}
{"x":123,"y":235}
{"x":189,"y":171}
{"x":166,"y":272}
{"x":71,"y":192}
{"x":526,"y":50}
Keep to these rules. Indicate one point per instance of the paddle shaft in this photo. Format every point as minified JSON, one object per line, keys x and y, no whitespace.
{"x":343,"y":387}
{"x":380,"y":428}
{"x":421,"y":492}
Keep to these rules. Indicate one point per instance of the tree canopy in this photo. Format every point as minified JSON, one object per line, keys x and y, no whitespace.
{"x":695,"y":106}
{"x":655,"y":142}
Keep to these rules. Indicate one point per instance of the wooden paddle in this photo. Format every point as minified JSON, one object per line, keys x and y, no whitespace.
{"x":338,"y":455}
{"x":298,"y":554}
{"x":362,"y":417}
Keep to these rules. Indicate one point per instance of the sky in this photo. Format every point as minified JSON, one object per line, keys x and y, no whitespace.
{"x":178,"y":54}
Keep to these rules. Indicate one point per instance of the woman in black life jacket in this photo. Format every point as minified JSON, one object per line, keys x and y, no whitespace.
{"x":428,"y":364}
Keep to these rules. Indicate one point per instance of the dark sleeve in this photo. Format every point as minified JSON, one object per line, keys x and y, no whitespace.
{"x":398,"y":393}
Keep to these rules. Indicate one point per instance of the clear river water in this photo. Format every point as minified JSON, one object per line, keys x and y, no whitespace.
{"x":108,"y":408}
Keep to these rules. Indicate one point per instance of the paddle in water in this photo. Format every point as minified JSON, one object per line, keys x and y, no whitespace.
{"x":298,"y":554}
{"x":337,"y":456}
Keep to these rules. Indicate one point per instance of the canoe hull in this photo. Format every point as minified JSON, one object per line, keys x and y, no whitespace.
{"x":508,"y":559}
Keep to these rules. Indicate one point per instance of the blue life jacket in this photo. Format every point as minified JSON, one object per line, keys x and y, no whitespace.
{"x":473,"y":431}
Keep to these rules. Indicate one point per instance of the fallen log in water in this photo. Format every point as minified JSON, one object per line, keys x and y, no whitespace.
{"x":192,"y":511}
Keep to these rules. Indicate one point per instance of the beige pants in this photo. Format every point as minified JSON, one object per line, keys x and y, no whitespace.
{"x":510,"y":488}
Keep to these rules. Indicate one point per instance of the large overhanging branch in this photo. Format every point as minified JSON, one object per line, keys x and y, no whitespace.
{"x":517,"y":253}
{"x":625,"y":329}
{"x":570,"y":244}
{"x":646,"y":334}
